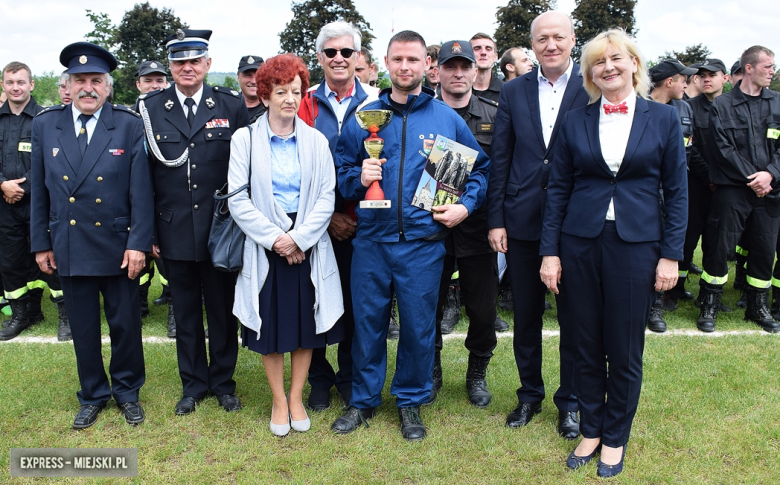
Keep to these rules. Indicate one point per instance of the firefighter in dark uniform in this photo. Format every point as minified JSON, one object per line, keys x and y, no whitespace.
{"x":188,"y":131}
{"x":152,"y":76}
{"x":92,"y":220}
{"x":745,"y":138}
{"x":247,"y":68}
{"x":467,"y":243}
{"x":23,"y":282}
{"x":669,"y":79}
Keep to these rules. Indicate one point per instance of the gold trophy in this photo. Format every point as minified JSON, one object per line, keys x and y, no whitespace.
{"x":373,"y":120}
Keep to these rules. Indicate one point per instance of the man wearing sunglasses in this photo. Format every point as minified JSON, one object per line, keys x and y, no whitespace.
{"x":325,"y":107}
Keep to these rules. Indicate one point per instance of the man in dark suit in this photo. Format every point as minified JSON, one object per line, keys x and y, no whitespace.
{"x":530,"y":112}
{"x":91,"y":219}
{"x":188,"y":130}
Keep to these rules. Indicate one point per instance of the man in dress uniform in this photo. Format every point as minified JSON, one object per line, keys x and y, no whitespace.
{"x":23,"y":283}
{"x":530,"y":112}
{"x":92,"y":221}
{"x":467,"y":244}
{"x":188,"y":130}
{"x":744,"y":139}
{"x":247,"y":68}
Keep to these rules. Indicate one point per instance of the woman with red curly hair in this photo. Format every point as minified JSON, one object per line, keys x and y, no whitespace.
{"x":288,"y":294}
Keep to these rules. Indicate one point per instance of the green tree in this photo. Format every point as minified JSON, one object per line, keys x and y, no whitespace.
{"x":691,"y":54}
{"x":591,"y":17}
{"x":45,"y":91}
{"x":514,"y":22}
{"x":309,"y":16}
{"x":104,"y":33}
{"x":232,"y":83}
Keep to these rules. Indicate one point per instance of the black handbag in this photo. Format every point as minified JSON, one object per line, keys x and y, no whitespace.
{"x":226,"y":240}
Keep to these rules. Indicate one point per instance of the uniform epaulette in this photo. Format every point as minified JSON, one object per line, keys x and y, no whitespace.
{"x":56,"y":107}
{"x":488,"y":101}
{"x":224,"y":90}
{"x":150,"y":94}
{"x":122,"y":107}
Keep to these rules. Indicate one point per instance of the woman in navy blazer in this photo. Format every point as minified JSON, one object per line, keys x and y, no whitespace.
{"x":609,"y":241}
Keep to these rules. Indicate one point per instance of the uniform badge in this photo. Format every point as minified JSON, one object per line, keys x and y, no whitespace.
{"x":169,"y":105}
{"x":233,"y":92}
{"x":54,"y":152}
{"x":116,"y":152}
{"x":83,"y":59}
{"x":153,"y":65}
{"x":427,"y":146}
{"x":180,"y":34}
{"x":457,"y":49}
{"x":158,"y":137}
{"x":24,"y":146}
{"x":218,"y":123}
{"x":209,"y":102}
{"x":250,"y":60}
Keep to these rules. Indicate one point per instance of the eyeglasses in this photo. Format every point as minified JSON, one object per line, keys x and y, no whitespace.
{"x":345,"y":52}
{"x":62,"y":86}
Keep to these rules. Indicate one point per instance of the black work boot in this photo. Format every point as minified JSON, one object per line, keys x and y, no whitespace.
{"x":451,"y":315}
{"x":165,"y":297}
{"x":438,"y":380}
{"x":775,"y":308}
{"x":740,"y":272}
{"x":757,"y":309}
{"x":500,"y":325}
{"x":19,"y":319}
{"x":143,"y":299}
{"x":34,"y":312}
{"x":412,"y":427}
{"x":393,"y":330}
{"x":679,"y":292}
{"x":505,"y":301}
{"x":63,"y":329}
{"x":476,"y":385}
{"x":710,"y":305}
{"x":655,"y":321}
{"x":742,"y":302}
{"x":171,"y":322}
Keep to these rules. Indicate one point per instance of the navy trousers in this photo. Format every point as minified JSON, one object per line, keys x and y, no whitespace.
{"x":412,"y":270}
{"x":528,"y":291}
{"x":120,"y":302}
{"x":611,"y":282}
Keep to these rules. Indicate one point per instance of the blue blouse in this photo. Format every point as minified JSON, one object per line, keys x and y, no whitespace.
{"x":285,"y":170}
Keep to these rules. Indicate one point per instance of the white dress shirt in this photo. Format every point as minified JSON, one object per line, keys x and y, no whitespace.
{"x":195,"y":97}
{"x":614,"y":130}
{"x":550,"y":97}
{"x":91,"y":124}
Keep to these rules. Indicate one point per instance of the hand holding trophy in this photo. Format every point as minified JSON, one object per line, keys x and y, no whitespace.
{"x":373,"y":120}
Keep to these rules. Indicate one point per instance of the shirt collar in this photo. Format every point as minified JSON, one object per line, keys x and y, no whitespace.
{"x":564,"y":78}
{"x":329,"y":91}
{"x":195,"y":97}
{"x":76,"y":113}
{"x":274,"y":137}
{"x":630,"y":102}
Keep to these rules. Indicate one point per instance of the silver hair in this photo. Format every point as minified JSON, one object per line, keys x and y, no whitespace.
{"x":64,"y":76}
{"x":338,"y":29}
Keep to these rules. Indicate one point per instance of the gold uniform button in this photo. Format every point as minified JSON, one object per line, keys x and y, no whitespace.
{"x":97,"y":224}
{"x":73,"y":222}
{"x":72,"y":199}
{"x":100,"y":179}
{"x":98,"y":201}
{"x":65,"y":178}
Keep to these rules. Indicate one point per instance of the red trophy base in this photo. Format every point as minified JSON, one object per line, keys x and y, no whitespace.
{"x":375,"y":198}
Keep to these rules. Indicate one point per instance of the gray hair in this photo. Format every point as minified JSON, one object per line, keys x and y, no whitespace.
{"x":338,"y":29}
{"x":64,"y":76}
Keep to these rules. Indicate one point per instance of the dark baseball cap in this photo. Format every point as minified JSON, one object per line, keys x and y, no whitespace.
{"x":250,"y":62}
{"x":456,"y":48}
{"x":151,"y":67}
{"x":713,"y":65}
{"x":668,"y":68}
{"x":736,"y":68}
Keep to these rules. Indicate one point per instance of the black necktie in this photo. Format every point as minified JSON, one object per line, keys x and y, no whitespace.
{"x":82,"y":138}
{"x":189,"y":102}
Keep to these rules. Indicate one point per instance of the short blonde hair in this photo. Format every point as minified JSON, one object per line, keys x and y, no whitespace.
{"x":595,"y":49}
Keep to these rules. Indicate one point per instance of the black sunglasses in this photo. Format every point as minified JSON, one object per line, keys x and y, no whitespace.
{"x":345,"y":52}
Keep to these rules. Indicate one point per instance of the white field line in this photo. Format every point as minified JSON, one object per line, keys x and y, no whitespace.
{"x":452,"y":336}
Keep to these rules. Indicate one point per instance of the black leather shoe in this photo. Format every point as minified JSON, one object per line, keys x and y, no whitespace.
{"x":352,"y":419}
{"x":229,"y":402}
{"x":412,"y":427}
{"x":609,"y":471}
{"x":86,"y":416}
{"x":574,"y":461}
{"x":523,"y":414}
{"x":695,"y":269}
{"x":500,"y":324}
{"x":568,"y":425}
{"x":186,"y":405}
{"x":319,"y":399}
{"x":393,"y":331}
{"x":133,"y":412}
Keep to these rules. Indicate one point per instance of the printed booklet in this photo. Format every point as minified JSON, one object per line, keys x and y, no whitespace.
{"x":445,"y":175}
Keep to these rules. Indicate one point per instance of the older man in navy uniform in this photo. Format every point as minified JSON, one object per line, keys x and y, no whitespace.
{"x":188,"y":130}
{"x":91,"y":219}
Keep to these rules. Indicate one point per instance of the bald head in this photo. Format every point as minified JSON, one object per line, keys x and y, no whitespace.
{"x":552,"y":39}
{"x":555,"y":17}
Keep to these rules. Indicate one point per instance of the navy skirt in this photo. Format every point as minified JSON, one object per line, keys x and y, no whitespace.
{"x":287,"y":310}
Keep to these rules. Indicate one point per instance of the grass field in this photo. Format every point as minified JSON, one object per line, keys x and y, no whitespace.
{"x":708,"y":414}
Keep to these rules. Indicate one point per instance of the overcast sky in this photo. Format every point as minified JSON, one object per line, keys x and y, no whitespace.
{"x":35,"y":31}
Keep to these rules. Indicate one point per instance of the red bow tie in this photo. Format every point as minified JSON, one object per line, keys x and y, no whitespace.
{"x":620,"y":108}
